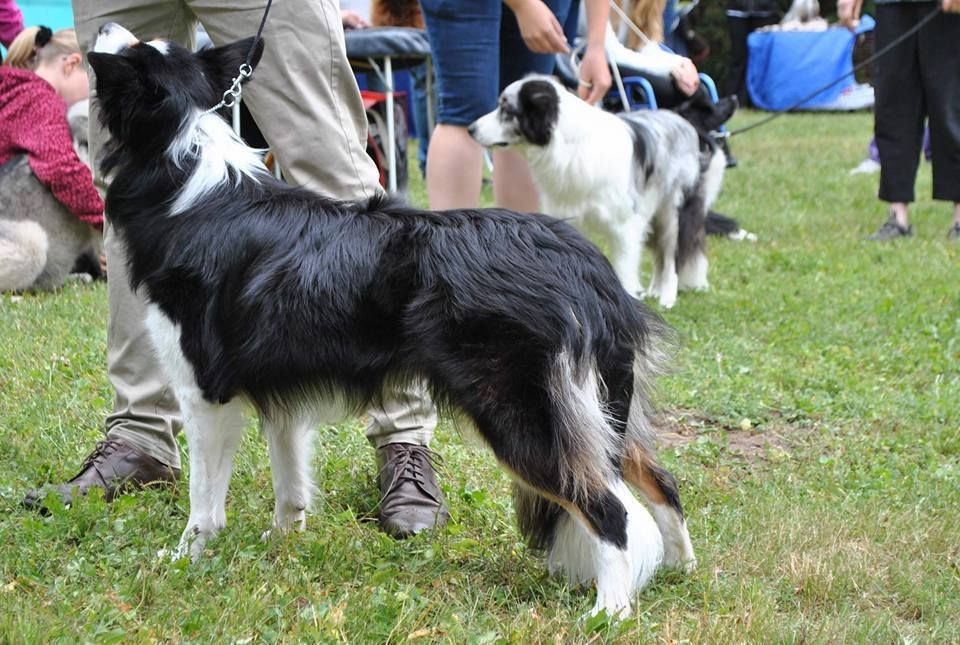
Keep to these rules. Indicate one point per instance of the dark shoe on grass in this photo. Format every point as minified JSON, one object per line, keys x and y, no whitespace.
{"x":113,"y":466}
{"x":890,"y":230}
{"x":954,"y":233}
{"x":410,"y":500}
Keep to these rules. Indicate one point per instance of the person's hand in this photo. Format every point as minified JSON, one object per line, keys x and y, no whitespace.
{"x":540,"y":29}
{"x":951,"y":6}
{"x":352,"y":20}
{"x":103,"y":263}
{"x":594,"y":75}
{"x":686,"y":76}
{"x":848,"y":12}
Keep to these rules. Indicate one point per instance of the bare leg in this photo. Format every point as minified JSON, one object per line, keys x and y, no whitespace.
{"x":513,"y":185}
{"x":454,"y":168}
{"x":899,"y":210}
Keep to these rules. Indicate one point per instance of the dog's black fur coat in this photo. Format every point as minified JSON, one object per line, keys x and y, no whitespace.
{"x":284,"y":296}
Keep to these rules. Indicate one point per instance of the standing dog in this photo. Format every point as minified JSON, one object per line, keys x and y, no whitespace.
{"x":629,"y":179}
{"x":304,"y":306}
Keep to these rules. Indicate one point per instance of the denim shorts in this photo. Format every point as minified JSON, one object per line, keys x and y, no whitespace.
{"x":478,"y":51}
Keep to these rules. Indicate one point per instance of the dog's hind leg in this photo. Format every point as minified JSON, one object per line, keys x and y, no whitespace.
{"x":563,"y":454}
{"x":290,"y":440}
{"x":626,"y":250}
{"x":213,"y":434}
{"x":693,"y":272}
{"x":665,"y":280}
{"x":659,"y":489}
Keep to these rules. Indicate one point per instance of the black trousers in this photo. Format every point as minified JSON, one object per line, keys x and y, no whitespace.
{"x":917,"y":80}
{"x":740,"y":28}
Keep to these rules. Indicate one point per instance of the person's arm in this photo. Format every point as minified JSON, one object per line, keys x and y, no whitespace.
{"x":539,"y":27}
{"x":594,"y":72}
{"x":11,"y":21}
{"x":53,"y":160}
{"x":352,"y":20}
{"x":848,"y":12}
{"x":951,"y":6}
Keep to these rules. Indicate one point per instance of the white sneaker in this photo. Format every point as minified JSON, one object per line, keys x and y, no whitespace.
{"x":867,"y":167}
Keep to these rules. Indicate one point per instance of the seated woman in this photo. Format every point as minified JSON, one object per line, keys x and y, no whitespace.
{"x":51,"y":215}
{"x":674,"y":78}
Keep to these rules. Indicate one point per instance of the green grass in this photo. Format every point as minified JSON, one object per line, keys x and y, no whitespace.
{"x":817,"y":386}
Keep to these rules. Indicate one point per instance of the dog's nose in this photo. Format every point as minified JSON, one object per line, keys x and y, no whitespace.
{"x":106,"y":28}
{"x":472,"y":129}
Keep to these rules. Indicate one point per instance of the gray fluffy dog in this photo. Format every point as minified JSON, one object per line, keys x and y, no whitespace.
{"x":41,"y":242}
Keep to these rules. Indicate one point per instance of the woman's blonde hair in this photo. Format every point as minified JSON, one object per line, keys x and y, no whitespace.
{"x":36,"y":45}
{"x":645,"y":14}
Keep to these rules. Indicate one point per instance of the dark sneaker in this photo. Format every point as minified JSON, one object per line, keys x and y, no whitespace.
{"x":112,"y":466}
{"x":954,"y":233}
{"x":890,"y":231}
{"x":410,"y":500}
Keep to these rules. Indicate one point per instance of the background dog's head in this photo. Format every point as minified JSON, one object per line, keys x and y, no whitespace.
{"x":147,"y":91}
{"x":527,"y":113}
{"x":705,"y":115}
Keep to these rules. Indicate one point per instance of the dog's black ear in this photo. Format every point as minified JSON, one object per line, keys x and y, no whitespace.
{"x":539,"y":109}
{"x":111,"y":69}
{"x":116,"y":76}
{"x":222,"y":64}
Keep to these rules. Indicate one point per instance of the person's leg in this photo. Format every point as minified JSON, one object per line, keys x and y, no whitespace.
{"x":303,"y":94}
{"x":305,"y":99}
{"x":420,"y":121}
{"x":513,"y":185}
{"x":140,"y":446}
{"x":941,"y":86}
{"x":736,"y":81}
{"x":464,"y":39}
{"x":145,"y":413}
{"x":899,"y":114}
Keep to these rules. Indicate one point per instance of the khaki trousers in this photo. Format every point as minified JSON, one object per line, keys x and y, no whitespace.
{"x":304,"y":97}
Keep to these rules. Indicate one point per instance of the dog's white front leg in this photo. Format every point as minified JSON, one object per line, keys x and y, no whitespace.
{"x":213,"y":433}
{"x":291,"y":446}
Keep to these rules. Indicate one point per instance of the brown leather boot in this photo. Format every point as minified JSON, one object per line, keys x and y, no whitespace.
{"x":113,"y":466}
{"x":410,"y":500}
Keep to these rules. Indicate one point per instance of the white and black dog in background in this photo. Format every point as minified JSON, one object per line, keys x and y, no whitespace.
{"x":630,"y":179}
{"x":303,"y":306}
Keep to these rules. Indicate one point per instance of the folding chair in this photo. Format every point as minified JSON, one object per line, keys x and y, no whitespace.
{"x":382,"y":50}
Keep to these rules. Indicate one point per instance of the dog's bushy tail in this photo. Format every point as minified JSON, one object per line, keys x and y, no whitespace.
{"x":602,"y":408}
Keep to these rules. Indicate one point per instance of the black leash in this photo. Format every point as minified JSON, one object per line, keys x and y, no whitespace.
{"x":232,"y":95}
{"x":259,"y":35}
{"x":857,"y":68}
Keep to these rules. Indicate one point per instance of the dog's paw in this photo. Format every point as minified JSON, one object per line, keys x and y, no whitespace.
{"x":678,"y":554}
{"x":173,"y":555}
{"x":191,"y":545}
{"x":616,"y":605}
{"x":742,"y":235}
{"x":667,"y":301}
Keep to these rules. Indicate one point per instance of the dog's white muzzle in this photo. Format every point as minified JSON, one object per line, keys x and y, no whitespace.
{"x":113,"y":38}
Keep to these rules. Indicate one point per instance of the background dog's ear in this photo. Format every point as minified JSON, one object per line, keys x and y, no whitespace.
{"x":539,"y":109}
{"x":222,"y":64}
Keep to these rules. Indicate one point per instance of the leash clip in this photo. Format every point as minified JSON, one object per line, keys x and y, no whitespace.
{"x":232,"y":95}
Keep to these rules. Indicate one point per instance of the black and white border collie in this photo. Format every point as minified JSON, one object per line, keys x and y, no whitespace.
{"x":628,"y":179}
{"x":310,"y":308}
